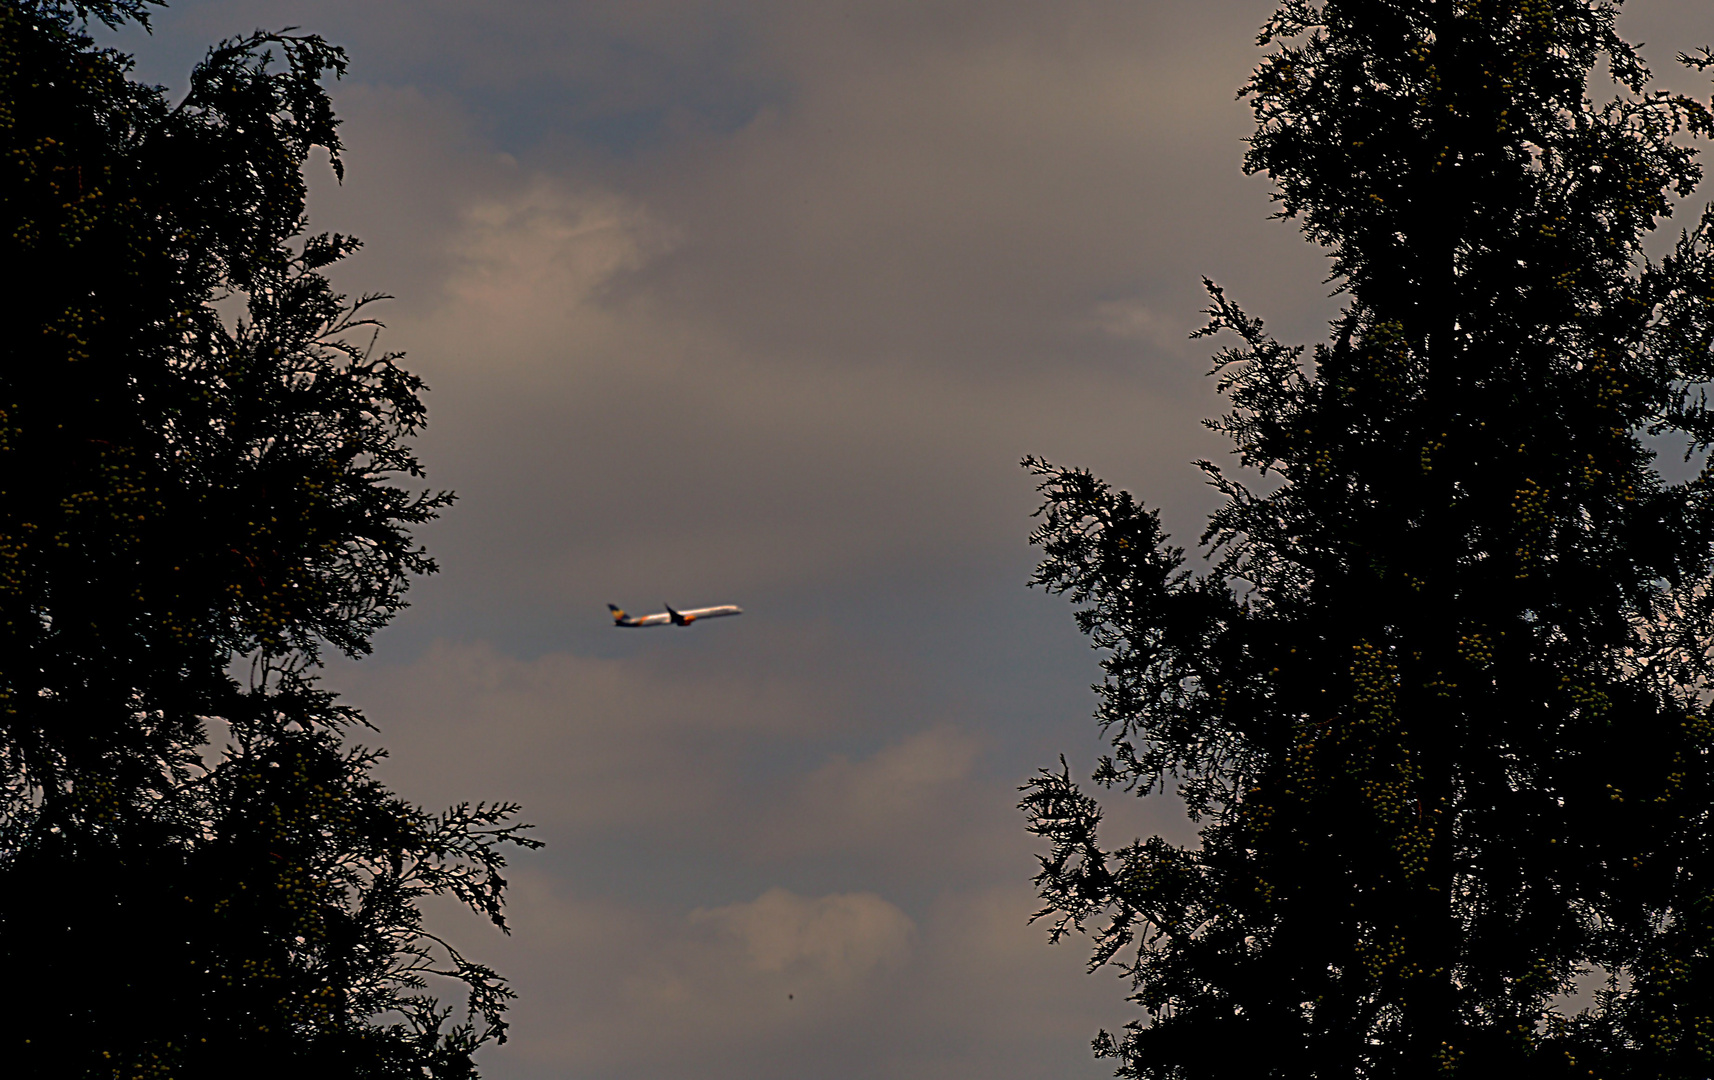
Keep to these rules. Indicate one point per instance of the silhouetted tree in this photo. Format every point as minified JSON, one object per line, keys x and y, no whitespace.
{"x":181,"y":496}
{"x":1441,"y":700}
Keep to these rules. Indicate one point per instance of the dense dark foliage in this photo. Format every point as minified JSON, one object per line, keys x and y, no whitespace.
{"x":183,"y":495}
{"x":1441,"y":700}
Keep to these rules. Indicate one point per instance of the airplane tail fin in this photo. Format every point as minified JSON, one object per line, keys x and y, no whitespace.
{"x":619,"y":617}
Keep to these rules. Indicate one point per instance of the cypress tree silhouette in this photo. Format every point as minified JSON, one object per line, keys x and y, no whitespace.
{"x":1440,"y":700}
{"x":179,"y":492}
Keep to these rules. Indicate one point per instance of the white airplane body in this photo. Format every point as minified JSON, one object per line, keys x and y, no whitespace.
{"x":676,"y":618}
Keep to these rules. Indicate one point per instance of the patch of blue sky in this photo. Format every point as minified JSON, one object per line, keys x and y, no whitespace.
{"x":518,"y":120}
{"x":562,"y":82}
{"x":160,"y":59}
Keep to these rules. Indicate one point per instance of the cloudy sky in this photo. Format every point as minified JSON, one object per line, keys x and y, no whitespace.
{"x":760,"y":302}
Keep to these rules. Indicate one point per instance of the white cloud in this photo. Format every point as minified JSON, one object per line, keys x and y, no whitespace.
{"x":1132,"y":320}
{"x":787,"y":983}
{"x":784,"y":350}
{"x":838,"y":938}
{"x":909,"y":799}
{"x":546,"y":250}
{"x":661,"y":746}
{"x":598,"y":745}
{"x":610,"y":988}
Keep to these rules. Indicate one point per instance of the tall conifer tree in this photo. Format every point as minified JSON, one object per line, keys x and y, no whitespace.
{"x":183,"y":494}
{"x":1440,"y":701}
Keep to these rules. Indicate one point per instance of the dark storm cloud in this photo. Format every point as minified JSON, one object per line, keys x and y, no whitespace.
{"x":761,"y":303}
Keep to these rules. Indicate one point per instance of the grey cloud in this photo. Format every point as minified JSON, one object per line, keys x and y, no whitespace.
{"x":902,"y":794}
{"x":761,"y":302}
{"x":634,"y":749}
{"x":871,"y":990}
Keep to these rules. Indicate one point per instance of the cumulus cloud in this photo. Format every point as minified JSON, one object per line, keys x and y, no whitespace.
{"x":903,"y":797}
{"x":543,"y":251}
{"x":835,"y":939}
{"x":663,"y":989}
{"x":836,"y":983}
{"x":761,"y":302}
{"x":601,"y":745}
{"x":813,"y":344}
{"x":668,"y":749}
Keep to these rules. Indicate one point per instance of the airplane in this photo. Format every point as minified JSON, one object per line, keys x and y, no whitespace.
{"x":677,"y":618}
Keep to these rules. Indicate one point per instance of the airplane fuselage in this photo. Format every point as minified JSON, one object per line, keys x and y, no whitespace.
{"x":671,"y":616}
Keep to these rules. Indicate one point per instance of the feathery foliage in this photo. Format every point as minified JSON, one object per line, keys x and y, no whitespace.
{"x":181,"y":490}
{"x":1440,"y":701}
